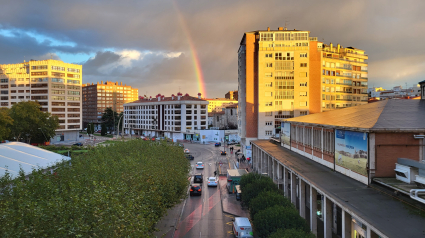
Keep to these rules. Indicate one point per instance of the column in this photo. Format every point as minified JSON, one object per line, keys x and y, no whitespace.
{"x":302,"y":197}
{"x":293,"y":189}
{"x":278,"y":174}
{"x":313,"y":210}
{"x":327,"y":217}
{"x":346,"y":224}
{"x":285,"y":182}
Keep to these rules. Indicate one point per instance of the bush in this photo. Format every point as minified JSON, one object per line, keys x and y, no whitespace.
{"x":252,"y":190}
{"x":121,"y":190}
{"x":103,"y":130}
{"x":271,"y":219}
{"x":291,"y":233}
{"x":250,"y":178}
{"x":268,"y":199}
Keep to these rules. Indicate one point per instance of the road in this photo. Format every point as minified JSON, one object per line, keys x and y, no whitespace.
{"x":202,"y":216}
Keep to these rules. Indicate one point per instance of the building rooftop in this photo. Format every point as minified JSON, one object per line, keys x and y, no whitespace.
{"x":387,"y":115}
{"x":373,"y":204}
{"x":232,"y":106}
{"x":162,"y":98}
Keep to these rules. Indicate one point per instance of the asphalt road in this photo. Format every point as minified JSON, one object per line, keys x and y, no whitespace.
{"x":202,"y":216}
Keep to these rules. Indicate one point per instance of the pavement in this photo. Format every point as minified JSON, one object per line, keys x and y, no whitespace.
{"x":228,"y":201}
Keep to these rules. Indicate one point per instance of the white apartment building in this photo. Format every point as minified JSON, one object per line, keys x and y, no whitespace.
{"x":176,"y":117}
{"x":55,"y":85}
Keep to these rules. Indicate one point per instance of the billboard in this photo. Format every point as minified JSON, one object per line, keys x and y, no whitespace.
{"x":285,"y":137}
{"x":351,"y":150}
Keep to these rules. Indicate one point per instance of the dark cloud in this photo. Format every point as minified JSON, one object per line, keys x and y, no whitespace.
{"x":390,"y":32}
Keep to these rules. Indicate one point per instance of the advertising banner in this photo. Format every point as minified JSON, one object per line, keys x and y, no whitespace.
{"x":285,"y":133}
{"x":351,"y":150}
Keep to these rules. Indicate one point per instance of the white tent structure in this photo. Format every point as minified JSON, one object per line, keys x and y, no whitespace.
{"x":14,"y":155}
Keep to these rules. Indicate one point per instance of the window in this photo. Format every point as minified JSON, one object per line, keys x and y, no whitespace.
{"x":58,"y":86}
{"x":38,"y":73}
{"x":60,"y":98}
{"x":303,"y":55}
{"x":269,"y":114}
{"x":35,"y":80}
{"x":5,"y":92}
{"x":279,"y":56}
{"x":303,"y":113}
{"x":303,"y":94}
{"x":39,"y":97}
{"x":269,"y":65}
{"x":266,"y":36}
{"x":269,"y":123}
{"x":4,"y":98}
{"x":58,"y":103}
{"x":58,"y":91}
{"x":58,"y":80}
{"x":268,"y":75}
{"x":269,"y":104}
{"x":303,"y":64}
{"x":303,"y":104}
{"x":58,"y":68}
{"x":77,"y":76}
{"x":39,"y":67}
{"x":269,"y":55}
{"x":304,"y":84}
{"x":73,"y":70}
{"x":73,"y":81}
{"x":4,"y":80}
{"x":269,"y":85}
{"x":73,"y":92}
{"x":269,"y":133}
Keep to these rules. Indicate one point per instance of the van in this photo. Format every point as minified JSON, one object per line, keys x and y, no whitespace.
{"x":238,"y":192}
{"x":242,"y":227}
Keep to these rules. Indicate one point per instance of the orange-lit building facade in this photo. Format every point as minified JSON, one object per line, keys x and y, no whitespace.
{"x":98,"y":97}
{"x":286,"y":73}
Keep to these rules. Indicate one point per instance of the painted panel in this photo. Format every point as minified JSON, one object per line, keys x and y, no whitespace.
{"x":286,"y":133}
{"x":351,"y":151}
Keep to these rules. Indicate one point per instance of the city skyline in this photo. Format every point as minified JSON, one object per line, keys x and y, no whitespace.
{"x":158,"y":47}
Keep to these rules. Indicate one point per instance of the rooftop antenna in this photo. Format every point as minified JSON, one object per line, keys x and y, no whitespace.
{"x":286,"y":24}
{"x":51,"y":56}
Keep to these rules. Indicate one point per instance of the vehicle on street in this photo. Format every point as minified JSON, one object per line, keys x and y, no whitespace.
{"x":78,"y":144}
{"x":145,"y":138}
{"x":232,"y":143}
{"x":238,"y":192}
{"x":153,"y":138}
{"x":181,"y":145}
{"x":217,"y":144}
{"x":186,"y":151}
{"x":195,"y":189}
{"x":199,"y":165}
{"x":223,"y":152}
{"x":212,"y":181}
{"x":242,"y":227}
{"x":189,"y":156}
{"x":198,"y":178}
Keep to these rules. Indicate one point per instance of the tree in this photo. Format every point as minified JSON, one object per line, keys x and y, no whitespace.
{"x":110,"y":118}
{"x":251,"y":191}
{"x":103,"y":131}
{"x":90,"y":128}
{"x":31,"y":123}
{"x":271,"y":219}
{"x":291,"y":233}
{"x":267,"y":199}
{"x":5,"y":122}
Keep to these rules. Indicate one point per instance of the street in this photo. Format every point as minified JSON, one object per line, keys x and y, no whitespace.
{"x":202,"y":216}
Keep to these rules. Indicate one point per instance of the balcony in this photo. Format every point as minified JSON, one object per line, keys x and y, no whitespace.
{"x":360,"y":56}
{"x":344,"y":99}
{"x":177,"y":112}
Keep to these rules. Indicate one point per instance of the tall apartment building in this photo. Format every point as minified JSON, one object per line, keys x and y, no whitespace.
{"x":176,"y":117}
{"x":54,"y":84}
{"x":98,"y":97}
{"x":287,"y":73}
{"x":217,"y":104}
{"x":233,"y":95}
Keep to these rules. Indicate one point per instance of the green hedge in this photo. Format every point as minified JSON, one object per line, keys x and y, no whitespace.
{"x":251,"y":190}
{"x":268,"y":199}
{"x":120,"y":190}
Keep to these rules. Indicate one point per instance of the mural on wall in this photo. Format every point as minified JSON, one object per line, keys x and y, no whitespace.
{"x":285,"y":133}
{"x":351,"y":150}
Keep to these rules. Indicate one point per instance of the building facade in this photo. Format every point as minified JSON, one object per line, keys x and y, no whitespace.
{"x":176,"y":117}
{"x":400,"y":93}
{"x":225,"y":119}
{"x":98,"y":97}
{"x":217,"y":104}
{"x":233,"y":95}
{"x":287,"y":73}
{"x":54,"y":84}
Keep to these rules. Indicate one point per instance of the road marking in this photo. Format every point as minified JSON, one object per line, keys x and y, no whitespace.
{"x":229,"y":216}
{"x":230,"y":232}
{"x":209,"y":164}
{"x":229,"y":223}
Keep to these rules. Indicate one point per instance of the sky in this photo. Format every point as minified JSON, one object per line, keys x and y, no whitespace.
{"x":167,"y":46}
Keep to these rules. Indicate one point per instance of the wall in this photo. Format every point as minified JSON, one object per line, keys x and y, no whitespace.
{"x":211,"y":135}
{"x":389,"y":147}
{"x":314,"y":86}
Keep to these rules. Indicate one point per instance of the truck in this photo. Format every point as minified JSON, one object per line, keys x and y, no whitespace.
{"x":242,"y":227}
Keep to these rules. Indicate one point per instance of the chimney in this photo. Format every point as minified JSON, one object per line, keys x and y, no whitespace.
{"x":101,"y":82}
{"x":331,"y":45}
{"x":268,"y":28}
{"x":116,"y":82}
{"x":179,"y":95}
{"x":158,"y":97}
{"x":280,"y":28}
{"x":150,"y":98}
{"x":121,"y":83}
{"x":172,"y":96}
{"x":338,"y":47}
{"x":199,"y":95}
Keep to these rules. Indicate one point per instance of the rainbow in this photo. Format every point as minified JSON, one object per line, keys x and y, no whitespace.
{"x":194,"y":54}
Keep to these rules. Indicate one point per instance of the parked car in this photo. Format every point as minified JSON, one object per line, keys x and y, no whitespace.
{"x":195,"y":189}
{"x":198,"y":178}
{"x":181,"y":145}
{"x":223,"y":152}
{"x":186,"y":151}
{"x":199,"y":165}
{"x":232,"y":143}
{"x":217,"y":144}
{"x":242,"y":227}
{"x":212,"y":181}
{"x":78,"y":144}
{"x":145,"y":138}
{"x":189,"y":156}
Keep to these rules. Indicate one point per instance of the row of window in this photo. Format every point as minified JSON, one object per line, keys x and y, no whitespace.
{"x":57,"y":68}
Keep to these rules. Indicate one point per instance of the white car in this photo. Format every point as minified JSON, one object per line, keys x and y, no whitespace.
{"x":199,"y":165}
{"x":186,"y":151}
{"x":212,"y":181}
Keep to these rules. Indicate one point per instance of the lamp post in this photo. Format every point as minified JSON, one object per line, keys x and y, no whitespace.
{"x":118,"y":129}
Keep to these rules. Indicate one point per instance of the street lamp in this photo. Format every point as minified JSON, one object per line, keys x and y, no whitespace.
{"x":118,"y":129}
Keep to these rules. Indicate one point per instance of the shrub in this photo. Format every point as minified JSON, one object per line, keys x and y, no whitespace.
{"x":291,"y":233}
{"x":268,"y":199}
{"x":120,"y":190}
{"x":252,"y":190}
{"x":271,"y":219}
{"x":250,"y":178}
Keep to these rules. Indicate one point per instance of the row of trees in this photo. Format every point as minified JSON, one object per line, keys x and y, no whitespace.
{"x":110,"y":122}
{"x":120,"y":190}
{"x":273,"y":215}
{"x":26,"y":121}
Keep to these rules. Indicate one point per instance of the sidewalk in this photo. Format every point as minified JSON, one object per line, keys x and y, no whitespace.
{"x":229,"y":203}
{"x":166,"y":225}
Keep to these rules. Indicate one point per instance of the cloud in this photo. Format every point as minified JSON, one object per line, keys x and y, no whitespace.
{"x":151,"y":45}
